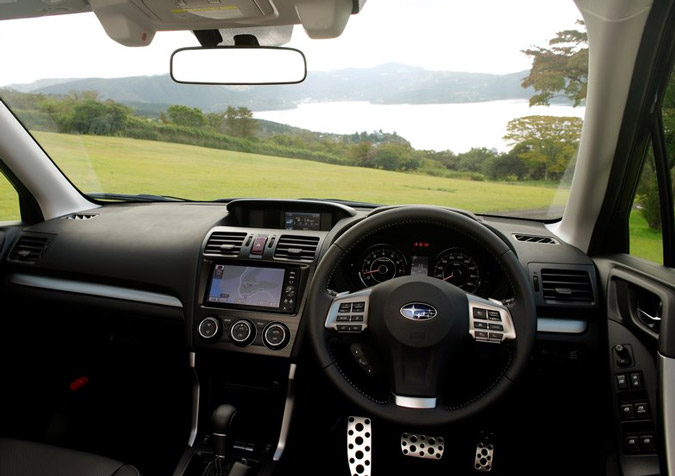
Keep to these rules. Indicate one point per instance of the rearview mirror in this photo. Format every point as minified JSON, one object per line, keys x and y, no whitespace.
{"x":238,"y":65}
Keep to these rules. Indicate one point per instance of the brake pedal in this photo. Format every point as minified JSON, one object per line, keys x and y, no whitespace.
{"x":485,"y":453}
{"x":359,"y":446}
{"x":422,"y":446}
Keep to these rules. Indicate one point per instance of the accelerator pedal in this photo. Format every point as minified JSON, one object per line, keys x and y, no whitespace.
{"x":359,"y":446}
{"x":485,"y":452}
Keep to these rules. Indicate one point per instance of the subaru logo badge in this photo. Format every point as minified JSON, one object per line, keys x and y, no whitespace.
{"x":418,"y":311}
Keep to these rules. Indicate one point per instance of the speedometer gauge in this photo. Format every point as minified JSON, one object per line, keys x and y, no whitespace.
{"x":381,"y":263}
{"x":459,"y":268}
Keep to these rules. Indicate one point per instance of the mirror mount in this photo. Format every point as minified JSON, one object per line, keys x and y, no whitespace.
{"x":208,"y":38}
{"x":245,"y":40}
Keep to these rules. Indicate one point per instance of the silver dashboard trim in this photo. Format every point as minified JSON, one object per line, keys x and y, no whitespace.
{"x":415,"y":402}
{"x":561,"y":326}
{"x":93,"y":289}
{"x":195,"y":400}
{"x":288,"y":412}
{"x":666,"y":367}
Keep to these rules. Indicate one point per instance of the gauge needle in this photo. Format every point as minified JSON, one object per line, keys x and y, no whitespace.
{"x":445,"y":279}
{"x":371,"y":272}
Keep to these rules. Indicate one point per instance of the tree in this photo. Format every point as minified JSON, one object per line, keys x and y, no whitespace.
{"x":186,"y":116}
{"x":548,"y":143}
{"x":561,"y":68}
{"x":472,"y":161}
{"x":239,"y":122}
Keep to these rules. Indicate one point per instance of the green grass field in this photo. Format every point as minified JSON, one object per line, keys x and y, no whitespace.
{"x":114,"y":164}
{"x":644,"y":242}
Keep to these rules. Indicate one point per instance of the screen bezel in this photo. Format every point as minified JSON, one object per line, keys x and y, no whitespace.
{"x":278,"y":309}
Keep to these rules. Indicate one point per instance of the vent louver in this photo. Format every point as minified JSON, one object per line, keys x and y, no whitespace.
{"x":80,"y":216}
{"x":29,"y":249}
{"x":543,"y":240}
{"x":567,"y":285}
{"x":224,"y":243}
{"x":294,"y":247}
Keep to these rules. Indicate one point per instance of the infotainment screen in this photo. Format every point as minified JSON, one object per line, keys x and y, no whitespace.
{"x":302,"y":221}
{"x":246,"y":286}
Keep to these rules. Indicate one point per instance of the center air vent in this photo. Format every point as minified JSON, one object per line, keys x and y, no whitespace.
{"x":224,"y":243}
{"x":294,"y":247}
{"x":567,"y":285}
{"x":29,"y":249}
{"x":543,"y":240}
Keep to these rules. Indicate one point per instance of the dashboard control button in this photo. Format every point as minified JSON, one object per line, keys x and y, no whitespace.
{"x":357,"y":318}
{"x":342,"y":328}
{"x":622,"y":382}
{"x":636,"y":380}
{"x":631,"y":444}
{"x":480,"y":325}
{"x":342,"y":318}
{"x":209,"y":328}
{"x":242,"y":332}
{"x":627,"y":412}
{"x":481,"y":335}
{"x":496,"y":327}
{"x":647,"y":444}
{"x":345,"y":307}
{"x":275,"y":336}
{"x":496,"y":336}
{"x":359,"y":306}
{"x":641,"y":410}
{"x":355,"y":328}
{"x":259,"y":245}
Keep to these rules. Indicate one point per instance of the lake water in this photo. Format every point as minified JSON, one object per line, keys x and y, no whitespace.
{"x":455,"y":127}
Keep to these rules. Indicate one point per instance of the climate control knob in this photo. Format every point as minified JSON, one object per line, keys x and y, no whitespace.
{"x":276,"y":336}
{"x":209,"y":328}
{"x":242,"y":332}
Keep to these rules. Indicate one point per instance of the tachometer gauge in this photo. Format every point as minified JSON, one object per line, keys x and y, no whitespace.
{"x":381,"y":263}
{"x":459,"y":268}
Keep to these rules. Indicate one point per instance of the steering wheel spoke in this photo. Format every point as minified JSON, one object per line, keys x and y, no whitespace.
{"x":348,"y":313}
{"x":490,"y":321}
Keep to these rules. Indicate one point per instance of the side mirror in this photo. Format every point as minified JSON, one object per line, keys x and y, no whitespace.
{"x":238,"y":65}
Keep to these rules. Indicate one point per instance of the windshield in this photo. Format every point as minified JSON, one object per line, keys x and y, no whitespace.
{"x":435,"y":102}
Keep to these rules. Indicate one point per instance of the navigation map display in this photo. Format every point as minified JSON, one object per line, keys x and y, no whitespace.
{"x":246,"y":286}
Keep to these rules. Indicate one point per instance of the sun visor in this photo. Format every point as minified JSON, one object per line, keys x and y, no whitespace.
{"x":134,"y":22}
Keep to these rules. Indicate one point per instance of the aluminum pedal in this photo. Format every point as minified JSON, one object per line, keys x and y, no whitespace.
{"x":422,"y":446}
{"x":359,"y":446}
{"x":485,"y":453}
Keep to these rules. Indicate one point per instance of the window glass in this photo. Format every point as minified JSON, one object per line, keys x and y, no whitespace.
{"x":646,"y":240}
{"x":9,"y":201}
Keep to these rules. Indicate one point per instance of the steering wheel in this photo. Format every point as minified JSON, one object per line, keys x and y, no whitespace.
{"x":421,"y":323}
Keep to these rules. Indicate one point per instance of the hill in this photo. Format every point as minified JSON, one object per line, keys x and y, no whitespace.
{"x":386,"y":84}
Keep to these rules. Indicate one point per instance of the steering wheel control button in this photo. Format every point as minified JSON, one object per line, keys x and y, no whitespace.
{"x":242,"y":332}
{"x":209,"y":328}
{"x":275,"y":336}
{"x":494,"y":315}
{"x":349,"y":307}
{"x":479,"y":313}
{"x":359,"y":445}
{"x":422,"y":446}
{"x":489,"y":321}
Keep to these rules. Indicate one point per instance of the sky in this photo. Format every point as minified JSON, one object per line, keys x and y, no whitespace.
{"x":470,"y":35}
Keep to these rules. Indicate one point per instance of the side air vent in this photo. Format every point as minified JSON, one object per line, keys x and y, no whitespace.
{"x":80,"y":216}
{"x":301,"y":248}
{"x":224,"y":243}
{"x":543,"y":240}
{"x":567,"y":285}
{"x":29,"y":249}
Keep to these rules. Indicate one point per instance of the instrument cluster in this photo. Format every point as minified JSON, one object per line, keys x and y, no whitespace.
{"x":430,"y":251}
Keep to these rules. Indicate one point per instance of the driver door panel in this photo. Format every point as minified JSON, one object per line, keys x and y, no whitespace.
{"x":640,"y":299}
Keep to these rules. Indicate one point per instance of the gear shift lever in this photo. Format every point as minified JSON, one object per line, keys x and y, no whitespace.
{"x":221,"y":422}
